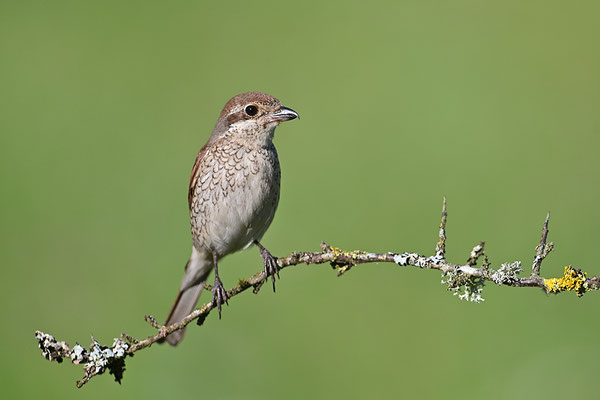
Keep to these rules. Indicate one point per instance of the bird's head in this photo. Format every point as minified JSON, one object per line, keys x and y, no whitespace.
{"x":254,"y":115}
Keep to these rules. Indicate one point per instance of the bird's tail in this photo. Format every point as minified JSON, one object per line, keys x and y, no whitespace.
{"x":196,"y":272}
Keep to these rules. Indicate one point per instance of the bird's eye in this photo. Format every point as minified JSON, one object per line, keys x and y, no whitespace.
{"x":251,"y":110}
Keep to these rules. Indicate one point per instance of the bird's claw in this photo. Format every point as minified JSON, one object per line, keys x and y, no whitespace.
{"x":271,"y":267}
{"x":219,"y":295}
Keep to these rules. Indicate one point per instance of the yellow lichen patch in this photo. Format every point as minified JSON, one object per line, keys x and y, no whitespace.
{"x":552,"y":285}
{"x":355,"y":254}
{"x":243,"y":282}
{"x":573,"y":279}
{"x":336,"y":252}
{"x":344,"y":260}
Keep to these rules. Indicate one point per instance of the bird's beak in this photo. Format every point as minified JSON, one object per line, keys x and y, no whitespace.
{"x":284,"y":114}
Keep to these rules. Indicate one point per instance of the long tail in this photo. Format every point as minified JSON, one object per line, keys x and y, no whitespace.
{"x":196,"y":272}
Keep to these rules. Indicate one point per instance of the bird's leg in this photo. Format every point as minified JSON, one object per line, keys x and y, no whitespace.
{"x":219,"y":293}
{"x":271,"y":267}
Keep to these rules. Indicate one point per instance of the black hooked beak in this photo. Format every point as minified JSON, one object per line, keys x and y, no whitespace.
{"x":284,"y":114}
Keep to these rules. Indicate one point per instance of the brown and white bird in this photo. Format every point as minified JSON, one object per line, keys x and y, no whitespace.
{"x":233,"y":195}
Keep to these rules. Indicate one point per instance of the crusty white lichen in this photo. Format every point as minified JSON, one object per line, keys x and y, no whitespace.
{"x":51,"y":349}
{"x":119,"y":347}
{"x":402,"y":259}
{"x":417,"y":260}
{"x":78,"y":354}
{"x":98,"y":358}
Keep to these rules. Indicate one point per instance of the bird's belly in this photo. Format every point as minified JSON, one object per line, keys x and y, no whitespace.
{"x":234,"y":216}
{"x":244,"y":218}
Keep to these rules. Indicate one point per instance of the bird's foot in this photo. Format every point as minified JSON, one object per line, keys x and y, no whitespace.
{"x":271,"y":267}
{"x":219,"y":295}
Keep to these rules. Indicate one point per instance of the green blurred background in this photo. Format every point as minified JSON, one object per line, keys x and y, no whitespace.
{"x":492,"y":104}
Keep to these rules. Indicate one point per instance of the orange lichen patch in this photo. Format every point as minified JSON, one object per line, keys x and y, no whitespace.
{"x":573,"y":279}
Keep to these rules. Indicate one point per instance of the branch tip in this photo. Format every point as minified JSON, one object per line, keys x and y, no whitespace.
{"x":129,"y":339}
{"x":153,"y":322}
{"x":542,"y":249}
{"x":440,"y":248}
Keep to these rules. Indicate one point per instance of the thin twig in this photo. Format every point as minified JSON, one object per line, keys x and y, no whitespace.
{"x":542,"y":249}
{"x":440,"y":248}
{"x":475,"y":254}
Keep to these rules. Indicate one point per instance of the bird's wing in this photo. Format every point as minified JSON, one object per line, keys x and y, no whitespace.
{"x":194,"y":175}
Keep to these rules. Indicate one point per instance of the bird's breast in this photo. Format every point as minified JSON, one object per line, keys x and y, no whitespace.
{"x":235,"y":196}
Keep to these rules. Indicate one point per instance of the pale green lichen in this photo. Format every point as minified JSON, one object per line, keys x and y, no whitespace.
{"x":102,"y":358}
{"x":507,"y":273}
{"x":464,"y":286}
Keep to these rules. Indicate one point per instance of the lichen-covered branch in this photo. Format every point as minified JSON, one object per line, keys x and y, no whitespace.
{"x":464,"y":280}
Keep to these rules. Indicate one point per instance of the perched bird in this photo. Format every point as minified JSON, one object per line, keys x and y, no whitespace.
{"x":233,"y":195}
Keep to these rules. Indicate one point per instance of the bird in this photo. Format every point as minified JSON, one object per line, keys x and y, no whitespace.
{"x":233,"y":195}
